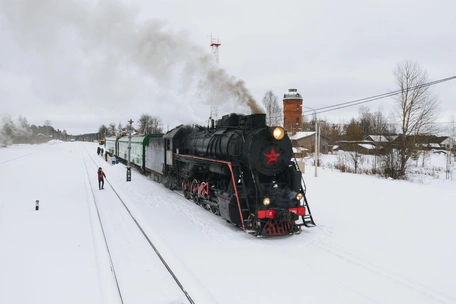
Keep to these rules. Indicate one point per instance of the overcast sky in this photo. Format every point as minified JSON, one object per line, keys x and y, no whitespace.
{"x":84,"y":63}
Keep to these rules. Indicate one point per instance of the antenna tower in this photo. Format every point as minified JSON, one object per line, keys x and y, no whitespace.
{"x":215,"y":44}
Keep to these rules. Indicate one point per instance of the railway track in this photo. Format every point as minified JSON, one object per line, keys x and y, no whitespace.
{"x":370,"y":269}
{"x":102,"y":219}
{"x":346,"y":255}
{"x":12,"y":160}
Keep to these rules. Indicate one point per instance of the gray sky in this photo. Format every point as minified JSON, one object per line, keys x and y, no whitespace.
{"x":83,"y":63}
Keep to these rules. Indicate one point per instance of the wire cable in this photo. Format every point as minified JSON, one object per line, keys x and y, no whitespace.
{"x":375,"y":97}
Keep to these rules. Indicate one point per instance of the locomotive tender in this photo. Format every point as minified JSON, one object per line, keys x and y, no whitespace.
{"x":240,"y":169}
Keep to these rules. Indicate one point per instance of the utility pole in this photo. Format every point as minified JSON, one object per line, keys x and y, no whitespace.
{"x":317,"y":140}
{"x":129,"y":152}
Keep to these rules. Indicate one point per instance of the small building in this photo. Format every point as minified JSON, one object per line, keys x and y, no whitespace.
{"x":306,"y":140}
{"x":360,"y":146}
{"x":367,"y":148}
{"x":426,"y":142}
{"x":448,"y":143}
{"x":300,"y":152}
{"x":377,"y":139}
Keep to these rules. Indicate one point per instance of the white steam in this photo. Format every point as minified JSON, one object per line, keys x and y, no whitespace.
{"x":110,"y":57}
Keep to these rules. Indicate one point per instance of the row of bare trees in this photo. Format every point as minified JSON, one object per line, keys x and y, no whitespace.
{"x":21,"y":132}
{"x":146,"y":124}
{"x":417,"y":110}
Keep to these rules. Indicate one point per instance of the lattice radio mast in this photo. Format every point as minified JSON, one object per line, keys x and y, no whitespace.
{"x":215,"y":44}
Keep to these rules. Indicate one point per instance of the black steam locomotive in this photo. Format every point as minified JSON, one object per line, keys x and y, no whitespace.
{"x":240,"y":169}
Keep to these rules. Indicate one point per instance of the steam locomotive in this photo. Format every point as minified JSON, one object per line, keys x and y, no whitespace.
{"x":240,"y":169}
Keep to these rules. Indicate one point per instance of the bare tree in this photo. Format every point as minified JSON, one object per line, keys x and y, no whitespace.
{"x":112,"y":129}
{"x":7,"y":132}
{"x":381,"y":125}
{"x":273,"y":111}
{"x":450,"y":147}
{"x":366,"y":121}
{"x":102,"y":131}
{"x":24,"y":132}
{"x":356,"y":159}
{"x":353,"y":131}
{"x":452,"y":132}
{"x":373,"y":123}
{"x":308,"y":123}
{"x":391,"y":162}
{"x":155,"y":125}
{"x":418,"y":108}
{"x":331,"y":130}
{"x":148,"y":124}
{"x":47,"y":125}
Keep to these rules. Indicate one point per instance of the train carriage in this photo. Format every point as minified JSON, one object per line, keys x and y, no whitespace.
{"x":154,"y":156}
{"x":111,"y":145}
{"x":136,"y":151}
{"x":146,"y":152}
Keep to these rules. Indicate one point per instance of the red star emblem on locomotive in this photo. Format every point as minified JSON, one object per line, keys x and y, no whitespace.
{"x":272,"y":157}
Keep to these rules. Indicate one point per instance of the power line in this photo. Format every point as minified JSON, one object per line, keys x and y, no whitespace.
{"x":376,"y":97}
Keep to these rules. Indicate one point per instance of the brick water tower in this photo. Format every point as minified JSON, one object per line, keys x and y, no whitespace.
{"x":292,"y":111}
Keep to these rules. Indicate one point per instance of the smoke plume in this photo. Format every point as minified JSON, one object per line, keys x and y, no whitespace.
{"x":106,"y":46}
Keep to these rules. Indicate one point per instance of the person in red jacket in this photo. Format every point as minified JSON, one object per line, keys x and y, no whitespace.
{"x":101,"y":176}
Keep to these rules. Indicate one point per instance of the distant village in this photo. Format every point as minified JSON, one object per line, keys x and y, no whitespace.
{"x":304,"y":144}
{"x":369,"y":134}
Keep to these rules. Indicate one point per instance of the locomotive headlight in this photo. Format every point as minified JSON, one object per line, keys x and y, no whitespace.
{"x":278,"y":133}
{"x":266,"y":201}
{"x":299,"y":196}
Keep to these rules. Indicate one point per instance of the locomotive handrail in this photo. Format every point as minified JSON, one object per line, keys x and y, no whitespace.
{"x":304,"y":188}
{"x":232,"y":178}
{"x":253,"y":178}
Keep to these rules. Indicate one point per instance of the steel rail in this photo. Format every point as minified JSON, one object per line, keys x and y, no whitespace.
{"x":187,"y":295}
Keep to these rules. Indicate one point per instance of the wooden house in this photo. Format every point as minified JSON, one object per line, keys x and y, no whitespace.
{"x":306,"y":140}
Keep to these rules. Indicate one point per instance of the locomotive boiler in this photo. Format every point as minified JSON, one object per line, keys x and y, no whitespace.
{"x":240,"y":169}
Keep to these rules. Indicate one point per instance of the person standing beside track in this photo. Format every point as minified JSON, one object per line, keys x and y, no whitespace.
{"x":101,"y":176}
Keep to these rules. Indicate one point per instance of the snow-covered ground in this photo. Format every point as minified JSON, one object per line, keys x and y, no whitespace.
{"x":376,"y":240}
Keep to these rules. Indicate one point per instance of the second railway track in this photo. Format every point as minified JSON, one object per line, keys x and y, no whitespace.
{"x":113,"y":217}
